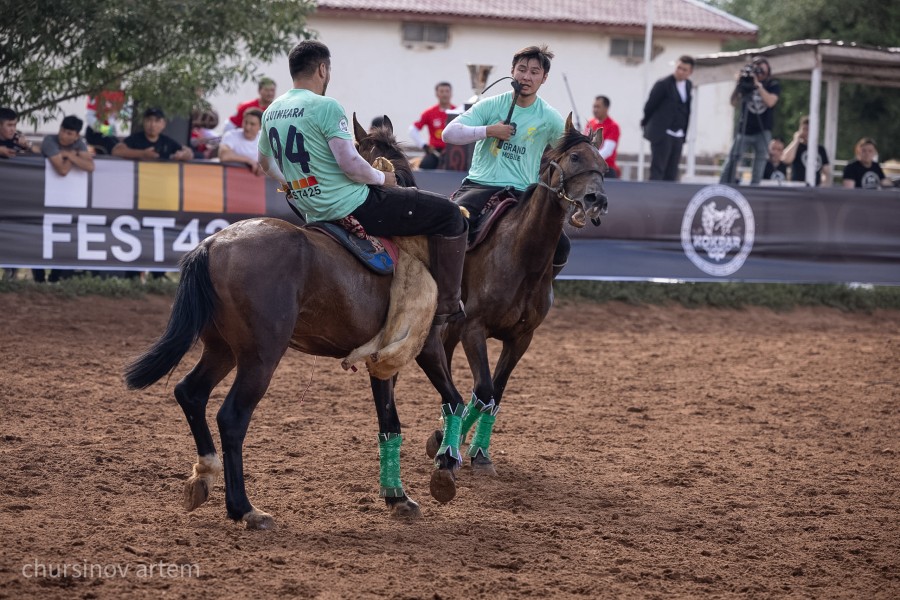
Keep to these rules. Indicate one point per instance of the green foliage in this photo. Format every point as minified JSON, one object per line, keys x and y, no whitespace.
{"x":864,"y":110}
{"x":161,"y":52}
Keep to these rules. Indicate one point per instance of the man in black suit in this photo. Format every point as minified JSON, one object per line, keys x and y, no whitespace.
{"x":665,"y":122}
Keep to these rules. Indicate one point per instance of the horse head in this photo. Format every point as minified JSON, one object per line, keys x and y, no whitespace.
{"x":380,"y":142}
{"x":575,"y":171}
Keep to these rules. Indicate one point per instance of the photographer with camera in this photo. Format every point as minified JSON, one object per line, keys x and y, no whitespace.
{"x":12,"y":142}
{"x":757,"y":94}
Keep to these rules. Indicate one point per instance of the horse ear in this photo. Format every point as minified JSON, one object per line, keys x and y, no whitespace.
{"x":358,"y":131}
{"x":569,"y":123}
{"x":598,"y":137}
{"x":388,"y":124}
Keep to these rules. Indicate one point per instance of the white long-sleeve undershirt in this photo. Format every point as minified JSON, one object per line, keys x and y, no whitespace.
{"x":457,"y":133}
{"x":352,"y":164}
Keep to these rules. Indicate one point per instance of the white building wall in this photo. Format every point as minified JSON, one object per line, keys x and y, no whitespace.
{"x":373,"y":73}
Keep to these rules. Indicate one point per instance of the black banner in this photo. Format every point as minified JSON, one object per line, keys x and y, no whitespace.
{"x":144,"y":215}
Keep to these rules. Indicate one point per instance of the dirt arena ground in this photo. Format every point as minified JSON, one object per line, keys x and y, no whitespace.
{"x":643,"y":452}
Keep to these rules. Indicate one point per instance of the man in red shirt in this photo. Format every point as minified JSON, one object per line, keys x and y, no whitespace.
{"x":266,"y":97}
{"x":610,"y":146}
{"x":435,"y":119}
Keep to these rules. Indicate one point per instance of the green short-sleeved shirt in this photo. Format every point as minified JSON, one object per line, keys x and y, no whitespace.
{"x":518,"y":161}
{"x":295,"y":131}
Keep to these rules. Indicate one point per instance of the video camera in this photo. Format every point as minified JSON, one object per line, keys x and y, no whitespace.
{"x":746,"y":82}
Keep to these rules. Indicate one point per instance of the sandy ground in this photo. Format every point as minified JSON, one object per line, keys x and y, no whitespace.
{"x":643,"y":452}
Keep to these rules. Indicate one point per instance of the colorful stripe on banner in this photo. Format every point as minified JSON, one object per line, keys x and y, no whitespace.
{"x":244,"y":192}
{"x":203,"y":188}
{"x":112,"y":184}
{"x":158,"y":186}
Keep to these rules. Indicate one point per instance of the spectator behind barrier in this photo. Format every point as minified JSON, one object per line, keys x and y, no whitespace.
{"x":12,"y":142}
{"x":865,"y":172}
{"x":66,"y":149}
{"x":241,"y":145}
{"x":151,"y":143}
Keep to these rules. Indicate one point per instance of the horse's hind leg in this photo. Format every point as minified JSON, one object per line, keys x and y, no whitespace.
{"x":250,"y":384}
{"x":192,"y":394}
{"x":389,"y":440}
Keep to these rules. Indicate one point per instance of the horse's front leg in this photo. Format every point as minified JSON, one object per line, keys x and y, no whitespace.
{"x":485,"y":403}
{"x":233,"y":418}
{"x":389,"y":440}
{"x":447,"y":459}
{"x":475,"y":346}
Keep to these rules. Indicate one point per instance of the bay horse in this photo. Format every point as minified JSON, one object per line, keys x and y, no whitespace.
{"x":508,"y":278}
{"x":249,"y":292}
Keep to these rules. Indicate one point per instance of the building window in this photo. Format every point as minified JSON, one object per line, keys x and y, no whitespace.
{"x":425,"y":34}
{"x":631,"y":50}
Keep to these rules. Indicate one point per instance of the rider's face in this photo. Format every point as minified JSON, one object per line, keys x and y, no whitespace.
{"x":530,"y":74}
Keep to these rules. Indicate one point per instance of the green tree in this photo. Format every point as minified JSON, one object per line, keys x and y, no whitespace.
{"x":161,"y":52}
{"x":864,"y":110}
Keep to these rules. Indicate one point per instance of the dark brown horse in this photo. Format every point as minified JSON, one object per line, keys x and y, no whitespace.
{"x":249,"y":293}
{"x":508,"y":278}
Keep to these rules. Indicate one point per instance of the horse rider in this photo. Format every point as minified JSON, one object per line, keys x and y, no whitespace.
{"x":306,"y":144}
{"x":508,"y":153}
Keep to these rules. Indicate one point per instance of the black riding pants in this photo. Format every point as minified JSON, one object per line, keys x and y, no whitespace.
{"x":408,"y":211}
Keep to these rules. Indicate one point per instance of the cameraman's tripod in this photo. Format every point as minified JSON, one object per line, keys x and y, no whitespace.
{"x":740,"y":136}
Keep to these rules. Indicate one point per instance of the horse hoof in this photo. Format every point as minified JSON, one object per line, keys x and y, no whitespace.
{"x":433,"y":444}
{"x":257,"y":519}
{"x":196,"y":493}
{"x":405,"y":509}
{"x":482,"y":465}
{"x":443,"y":485}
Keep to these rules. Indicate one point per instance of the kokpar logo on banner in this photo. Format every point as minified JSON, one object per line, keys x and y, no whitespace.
{"x":717,"y":230}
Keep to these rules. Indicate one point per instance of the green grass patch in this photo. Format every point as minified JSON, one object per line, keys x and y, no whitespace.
{"x":777,"y":296}
{"x":87,"y":285}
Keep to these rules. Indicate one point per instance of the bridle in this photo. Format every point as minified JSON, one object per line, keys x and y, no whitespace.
{"x":560,"y":189}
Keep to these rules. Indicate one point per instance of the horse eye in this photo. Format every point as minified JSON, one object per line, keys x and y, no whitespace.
{"x":574,"y":157}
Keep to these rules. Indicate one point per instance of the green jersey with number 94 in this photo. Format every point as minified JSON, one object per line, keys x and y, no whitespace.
{"x":295,"y":132}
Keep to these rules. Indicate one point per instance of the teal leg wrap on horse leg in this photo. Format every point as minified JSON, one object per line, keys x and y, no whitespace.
{"x":470,"y":416}
{"x":389,"y":459}
{"x":482,"y":438}
{"x":452,"y":426}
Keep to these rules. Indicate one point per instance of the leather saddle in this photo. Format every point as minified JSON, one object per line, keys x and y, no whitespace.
{"x":481,"y":225}
{"x":378,"y":254}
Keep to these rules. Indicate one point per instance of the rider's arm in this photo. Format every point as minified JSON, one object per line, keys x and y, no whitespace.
{"x":353,"y":165}
{"x":457,"y":133}
{"x":268,"y":164}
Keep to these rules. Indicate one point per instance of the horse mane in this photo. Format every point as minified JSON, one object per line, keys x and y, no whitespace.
{"x":569,"y":139}
{"x":384,"y":144}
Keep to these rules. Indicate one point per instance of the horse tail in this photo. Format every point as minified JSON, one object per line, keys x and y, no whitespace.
{"x":193,"y":308}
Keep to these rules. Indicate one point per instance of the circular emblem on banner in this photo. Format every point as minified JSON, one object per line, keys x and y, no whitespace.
{"x":717,"y":230}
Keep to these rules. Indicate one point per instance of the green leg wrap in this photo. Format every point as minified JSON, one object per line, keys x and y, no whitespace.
{"x":389,"y":458}
{"x":482,"y":438}
{"x":452,"y":425}
{"x":470,"y":416}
